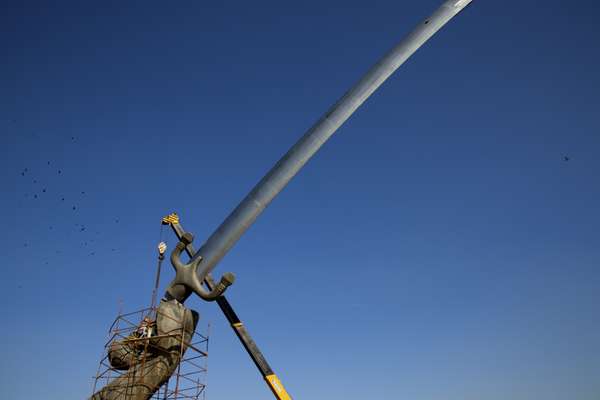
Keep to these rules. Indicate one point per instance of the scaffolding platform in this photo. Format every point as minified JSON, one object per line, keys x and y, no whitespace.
{"x":187,"y":382}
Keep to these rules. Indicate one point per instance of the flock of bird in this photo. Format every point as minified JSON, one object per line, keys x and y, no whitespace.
{"x":42,"y":191}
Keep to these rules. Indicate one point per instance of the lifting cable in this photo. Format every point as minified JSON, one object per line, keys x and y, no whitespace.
{"x":162,"y":248}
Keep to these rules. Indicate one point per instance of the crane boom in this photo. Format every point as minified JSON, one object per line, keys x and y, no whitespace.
{"x":234,"y":321}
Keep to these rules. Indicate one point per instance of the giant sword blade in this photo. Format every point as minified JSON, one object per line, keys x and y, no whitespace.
{"x":242,"y":217}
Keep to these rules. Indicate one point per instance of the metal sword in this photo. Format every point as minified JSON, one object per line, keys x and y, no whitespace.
{"x":242,"y":217}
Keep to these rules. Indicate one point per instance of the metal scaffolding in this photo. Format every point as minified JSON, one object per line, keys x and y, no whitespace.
{"x":187,"y":382}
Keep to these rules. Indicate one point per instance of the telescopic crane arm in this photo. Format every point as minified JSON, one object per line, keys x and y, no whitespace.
{"x":236,"y":324}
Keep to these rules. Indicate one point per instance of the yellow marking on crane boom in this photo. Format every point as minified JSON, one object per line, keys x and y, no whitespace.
{"x":171,"y":219}
{"x":277,"y":387}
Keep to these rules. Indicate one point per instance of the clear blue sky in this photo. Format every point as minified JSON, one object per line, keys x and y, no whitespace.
{"x":438,"y":247}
